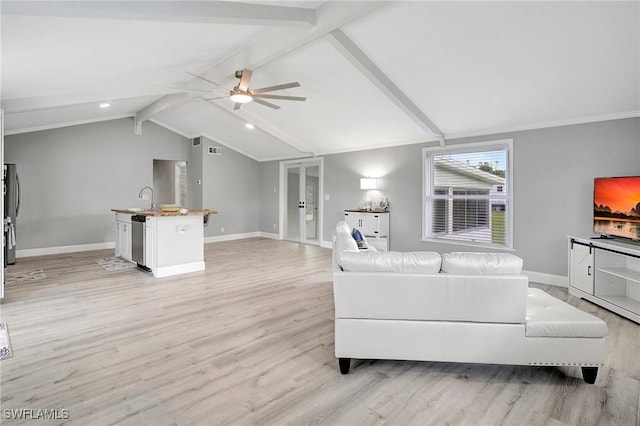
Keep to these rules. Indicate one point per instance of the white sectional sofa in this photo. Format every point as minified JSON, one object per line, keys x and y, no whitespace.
{"x":455,"y":307}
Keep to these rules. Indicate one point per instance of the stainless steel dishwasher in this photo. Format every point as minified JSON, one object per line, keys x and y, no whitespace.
{"x":138,"y":240}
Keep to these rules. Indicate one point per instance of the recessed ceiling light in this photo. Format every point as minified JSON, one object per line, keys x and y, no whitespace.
{"x":249,"y":126}
{"x":105,"y":105}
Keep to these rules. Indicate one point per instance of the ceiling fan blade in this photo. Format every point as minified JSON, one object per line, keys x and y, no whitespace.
{"x":207,"y":80}
{"x":278,"y":87}
{"x":184,"y":89}
{"x":211,"y":99}
{"x":285,"y":98}
{"x":265,"y":103}
{"x":236,"y":106}
{"x":244,"y":80}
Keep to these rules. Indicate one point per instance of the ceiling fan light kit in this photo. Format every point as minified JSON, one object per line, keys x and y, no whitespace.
{"x":240,"y":97}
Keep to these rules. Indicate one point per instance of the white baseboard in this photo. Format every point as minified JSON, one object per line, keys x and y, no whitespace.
{"x":232,"y":237}
{"x":550,"y":279}
{"x":168,"y":271}
{"x":268,"y":235}
{"x":64,"y":249}
{"x":326,"y":244}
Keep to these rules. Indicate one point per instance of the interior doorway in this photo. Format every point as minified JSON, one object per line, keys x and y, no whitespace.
{"x":301,"y":189}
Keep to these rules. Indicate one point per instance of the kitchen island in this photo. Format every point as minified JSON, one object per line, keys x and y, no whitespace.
{"x":163,"y":242}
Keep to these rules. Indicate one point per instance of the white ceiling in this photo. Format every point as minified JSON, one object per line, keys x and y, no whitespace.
{"x":374,"y":73}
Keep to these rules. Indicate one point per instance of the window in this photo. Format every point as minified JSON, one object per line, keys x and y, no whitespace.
{"x":467,"y":194}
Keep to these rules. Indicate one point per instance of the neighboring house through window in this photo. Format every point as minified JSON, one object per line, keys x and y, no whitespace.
{"x":467,"y":194}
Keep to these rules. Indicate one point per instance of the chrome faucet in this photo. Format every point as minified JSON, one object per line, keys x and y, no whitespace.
{"x":150,"y":189}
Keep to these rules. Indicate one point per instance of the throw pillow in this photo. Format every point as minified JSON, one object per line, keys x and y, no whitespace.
{"x":360,"y":239}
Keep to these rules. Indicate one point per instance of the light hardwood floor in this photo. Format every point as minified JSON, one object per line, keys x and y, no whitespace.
{"x":250,"y":341}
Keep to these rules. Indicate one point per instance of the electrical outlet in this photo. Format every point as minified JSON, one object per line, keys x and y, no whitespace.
{"x":326,"y":197}
{"x":274,"y":226}
{"x":275,"y":189}
{"x":222,"y":229}
{"x":145,"y":197}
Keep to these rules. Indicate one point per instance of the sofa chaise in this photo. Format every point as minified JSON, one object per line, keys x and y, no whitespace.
{"x":454,"y":307}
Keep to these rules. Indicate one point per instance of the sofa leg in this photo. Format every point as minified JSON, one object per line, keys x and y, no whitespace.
{"x":589,"y":374}
{"x":345,"y":365}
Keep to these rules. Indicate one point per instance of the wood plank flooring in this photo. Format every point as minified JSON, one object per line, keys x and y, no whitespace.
{"x":249,"y":341}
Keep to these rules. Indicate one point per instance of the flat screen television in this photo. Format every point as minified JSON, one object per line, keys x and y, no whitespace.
{"x":616,"y":207}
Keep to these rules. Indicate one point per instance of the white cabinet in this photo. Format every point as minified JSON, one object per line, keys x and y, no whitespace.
{"x":174,"y":245}
{"x":607,"y":273}
{"x":123,"y":236}
{"x":373,"y":225}
{"x":581,"y":267}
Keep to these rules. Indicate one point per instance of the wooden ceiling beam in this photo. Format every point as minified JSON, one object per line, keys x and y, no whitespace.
{"x":221,"y":12}
{"x":35,"y":103}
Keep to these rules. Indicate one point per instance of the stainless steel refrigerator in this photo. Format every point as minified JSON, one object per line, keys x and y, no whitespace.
{"x":11,"y":210}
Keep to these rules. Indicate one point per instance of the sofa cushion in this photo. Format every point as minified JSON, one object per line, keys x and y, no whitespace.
{"x":426,"y":262}
{"x":342,"y":226}
{"x":343,"y":242}
{"x":481,"y":263}
{"x":551,"y":317}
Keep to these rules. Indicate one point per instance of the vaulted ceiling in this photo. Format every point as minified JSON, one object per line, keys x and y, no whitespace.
{"x":374,"y":73}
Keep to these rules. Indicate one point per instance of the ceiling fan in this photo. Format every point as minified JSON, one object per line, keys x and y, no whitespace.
{"x":241,"y":94}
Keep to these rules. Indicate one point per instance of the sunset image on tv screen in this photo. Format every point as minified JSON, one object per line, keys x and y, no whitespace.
{"x":616,"y":206}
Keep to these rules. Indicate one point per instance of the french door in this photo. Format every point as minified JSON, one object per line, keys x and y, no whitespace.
{"x":2,"y":259}
{"x":300,"y":206}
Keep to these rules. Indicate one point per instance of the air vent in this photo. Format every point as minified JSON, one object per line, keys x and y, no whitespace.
{"x":215,"y":150}
{"x":196,"y":141}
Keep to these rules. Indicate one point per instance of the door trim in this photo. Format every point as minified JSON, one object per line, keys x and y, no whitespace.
{"x":282,"y":203}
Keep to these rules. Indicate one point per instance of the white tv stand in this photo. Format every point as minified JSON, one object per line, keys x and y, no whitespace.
{"x":607,"y":273}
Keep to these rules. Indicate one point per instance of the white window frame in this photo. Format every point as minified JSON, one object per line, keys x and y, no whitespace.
{"x":462,"y":148}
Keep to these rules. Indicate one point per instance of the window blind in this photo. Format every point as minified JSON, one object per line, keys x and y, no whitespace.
{"x":466,"y":195}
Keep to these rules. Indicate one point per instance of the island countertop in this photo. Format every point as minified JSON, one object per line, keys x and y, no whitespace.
{"x":160,"y":212}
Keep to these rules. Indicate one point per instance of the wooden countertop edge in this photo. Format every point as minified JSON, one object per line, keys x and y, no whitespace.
{"x":191,"y":212}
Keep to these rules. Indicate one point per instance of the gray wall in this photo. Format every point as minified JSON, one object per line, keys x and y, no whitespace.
{"x":71,"y":177}
{"x":194,"y":176}
{"x":269,"y":193}
{"x":553,"y":178}
{"x":231,"y":186}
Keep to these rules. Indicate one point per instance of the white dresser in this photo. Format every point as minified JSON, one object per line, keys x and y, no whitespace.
{"x":373,"y":225}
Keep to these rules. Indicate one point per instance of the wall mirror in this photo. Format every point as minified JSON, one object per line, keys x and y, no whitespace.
{"x":170,"y":182}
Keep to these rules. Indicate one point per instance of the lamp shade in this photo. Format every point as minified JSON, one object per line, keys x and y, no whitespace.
{"x":368,"y":183}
